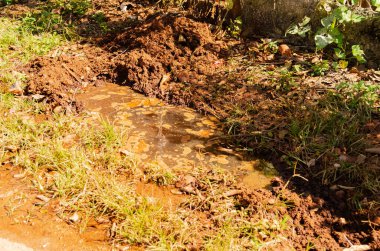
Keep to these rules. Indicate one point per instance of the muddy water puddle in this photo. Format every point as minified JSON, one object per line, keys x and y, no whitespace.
{"x":174,"y":137}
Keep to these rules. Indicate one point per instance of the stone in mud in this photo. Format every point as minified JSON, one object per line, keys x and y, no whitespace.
{"x":74,"y":218}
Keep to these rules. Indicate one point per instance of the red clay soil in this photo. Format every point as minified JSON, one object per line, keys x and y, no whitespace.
{"x":63,"y":74}
{"x":33,"y":222}
{"x":167,"y":56}
{"x":173,"y":57}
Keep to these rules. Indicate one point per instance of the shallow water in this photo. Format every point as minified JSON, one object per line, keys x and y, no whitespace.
{"x":174,"y":137}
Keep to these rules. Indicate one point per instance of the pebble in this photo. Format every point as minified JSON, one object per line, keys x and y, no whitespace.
{"x":271,"y":201}
{"x":126,"y":5}
{"x":334,"y":187}
{"x":74,"y":218}
{"x":342,"y":221}
{"x":19,"y":176}
{"x":58,"y":109}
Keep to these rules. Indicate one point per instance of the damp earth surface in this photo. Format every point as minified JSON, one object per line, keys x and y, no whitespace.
{"x":173,"y":136}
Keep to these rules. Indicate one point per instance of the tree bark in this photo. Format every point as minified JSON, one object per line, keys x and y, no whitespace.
{"x":272,"y":18}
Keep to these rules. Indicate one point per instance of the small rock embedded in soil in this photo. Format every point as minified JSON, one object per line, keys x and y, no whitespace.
{"x":58,"y":109}
{"x":19,"y":176}
{"x":176,"y":192}
{"x":127,"y":6}
{"x":74,"y":218}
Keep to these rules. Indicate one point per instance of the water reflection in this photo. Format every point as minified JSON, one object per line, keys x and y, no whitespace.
{"x":175,"y":136}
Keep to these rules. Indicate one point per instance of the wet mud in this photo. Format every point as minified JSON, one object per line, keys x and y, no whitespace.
{"x":26,"y":219}
{"x":176,"y":137}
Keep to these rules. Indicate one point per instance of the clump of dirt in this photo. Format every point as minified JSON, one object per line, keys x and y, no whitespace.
{"x":59,"y":78}
{"x":166,"y":55}
{"x":307,"y":219}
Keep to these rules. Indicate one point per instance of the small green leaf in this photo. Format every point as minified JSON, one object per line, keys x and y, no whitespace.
{"x":300,"y":29}
{"x":321,"y":41}
{"x":343,"y":64}
{"x":306,"y":20}
{"x":342,"y":13}
{"x":358,"y":53}
{"x":328,"y":21}
{"x":339,"y":53}
{"x":337,"y":36}
{"x":355,"y":18}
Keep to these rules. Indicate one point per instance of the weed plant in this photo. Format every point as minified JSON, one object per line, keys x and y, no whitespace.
{"x":79,"y":161}
{"x":18,"y":46}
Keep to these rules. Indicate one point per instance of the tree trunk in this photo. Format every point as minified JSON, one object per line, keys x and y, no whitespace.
{"x":272,"y":18}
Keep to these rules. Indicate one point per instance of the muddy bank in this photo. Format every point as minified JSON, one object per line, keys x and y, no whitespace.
{"x":57,"y":78}
{"x":26,"y":219}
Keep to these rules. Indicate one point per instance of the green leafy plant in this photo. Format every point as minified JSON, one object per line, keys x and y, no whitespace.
{"x":56,"y":16}
{"x":331,"y":33}
{"x":101,"y":20}
{"x":234,"y":28}
{"x":320,"y":68}
{"x":300,"y":29}
{"x":359,"y":93}
{"x":376,"y":4}
{"x":6,"y":2}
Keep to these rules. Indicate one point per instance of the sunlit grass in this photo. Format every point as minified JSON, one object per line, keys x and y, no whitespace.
{"x":18,"y":46}
{"x":77,"y":159}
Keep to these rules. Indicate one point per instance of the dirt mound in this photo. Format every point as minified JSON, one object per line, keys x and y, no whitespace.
{"x":59,"y":78}
{"x":167,"y":55}
{"x":310,"y":223}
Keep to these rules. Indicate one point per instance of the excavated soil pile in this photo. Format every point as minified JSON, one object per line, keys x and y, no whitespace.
{"x":58,"y":78}
{"x":309,"y":222}
{"x":168,"y":56}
